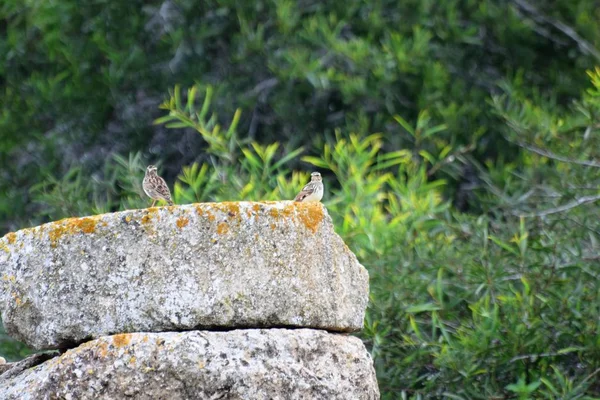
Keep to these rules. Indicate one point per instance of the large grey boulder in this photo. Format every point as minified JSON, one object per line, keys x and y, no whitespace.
{"x":249,"y":364}
{"x":199,"y":266}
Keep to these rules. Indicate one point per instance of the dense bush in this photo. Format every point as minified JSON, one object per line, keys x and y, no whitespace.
{"x":82,"y":81}
{"x":458,"y":141}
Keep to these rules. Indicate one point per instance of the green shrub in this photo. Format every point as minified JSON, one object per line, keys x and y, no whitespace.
{"x":82,"y":80}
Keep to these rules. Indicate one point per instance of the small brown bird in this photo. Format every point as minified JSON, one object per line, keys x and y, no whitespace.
{"x":313,"y":191}
{"x":155,"y":187}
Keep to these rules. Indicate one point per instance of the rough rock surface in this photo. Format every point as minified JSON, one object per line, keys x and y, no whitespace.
{"x":241,"y":364}
{"x":198,"y":266}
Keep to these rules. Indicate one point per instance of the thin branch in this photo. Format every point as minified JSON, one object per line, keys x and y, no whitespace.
{"x":553,"y":156}
{"x":565,"y":207}
{"x":583,"y":226}
{"x":535,"y":356}
{"x":264,"y":85}
{"x":583,"y":44}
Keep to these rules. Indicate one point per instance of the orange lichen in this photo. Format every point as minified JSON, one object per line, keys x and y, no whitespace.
{"x":103,"y":349}
{"x":199,"y":210}
{"x":11,"y":237}
{"x":71,"y":226}
{"x":147,"y":218}
{"x":222,"y":228}
{"x":122,"y":339}
{"x":231,"y":208}
{"x":85,"y":225}
{"x":273,"y":226}
{"x":182,"y":222}
{"x":311,"y":215}
{"x":286,"y":212}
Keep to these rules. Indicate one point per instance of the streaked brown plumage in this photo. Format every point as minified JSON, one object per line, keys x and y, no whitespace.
{"x":155,"y":187}
{"x":313,"y":191}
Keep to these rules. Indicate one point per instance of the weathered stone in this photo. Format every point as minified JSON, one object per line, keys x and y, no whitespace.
{"x":240,"y":364}
{"x":199,"y":266}
{"x":9,"y":370}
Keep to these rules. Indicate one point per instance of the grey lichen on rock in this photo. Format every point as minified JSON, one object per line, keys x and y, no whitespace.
{"x":210,"y":265}
{"x":241,"y":364}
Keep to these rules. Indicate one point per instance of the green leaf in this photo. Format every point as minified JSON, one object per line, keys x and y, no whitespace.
{"x":164,"y":119}
{"x":550,"y":386}
{"x":504,"y":245}
{"x":177,"y":96}
{"x":405,"y":124}
{"x":422,"y":308}
{"x":178,"y":125}
{"x":255,"y":162}
{"x":434,"y":130}
{"x":286,"y":158}
{"x":205,"y":104}
{"x":440,"y":287}
{"x":427,"y":156}
{"x":191,"y":98}
{"x":570,"y":350}
{"x":317,"y":162}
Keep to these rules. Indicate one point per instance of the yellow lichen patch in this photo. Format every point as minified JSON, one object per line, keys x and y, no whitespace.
{"x":7,"y":278}
{"x":222,"y":228}
{"x":147,"y":218}
{"x":103,"y":349}
{"x":71,"y":226}
{"x":11,"y":237}
{"x":274,"y":212}
{"x":132,"y":360}
{"x":199,"y":210}
{"x":231,"y":208}
{"x":273,"y":226}
{"x":311,"y":215}
{"x":4,"y":247}
{"x":287,"y":212}
{"x":122,"y":339}
{"x":85,"y":225}
{"x":182,"y":222}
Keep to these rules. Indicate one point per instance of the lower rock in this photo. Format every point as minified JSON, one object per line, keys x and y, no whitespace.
{"x":241,"y":364}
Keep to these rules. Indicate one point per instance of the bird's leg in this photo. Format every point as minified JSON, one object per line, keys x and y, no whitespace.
{"x":153,"y":203}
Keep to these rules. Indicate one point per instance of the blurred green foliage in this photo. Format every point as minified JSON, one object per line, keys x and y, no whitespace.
{"x":458,"y":141}
{"x":82,"y":81}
